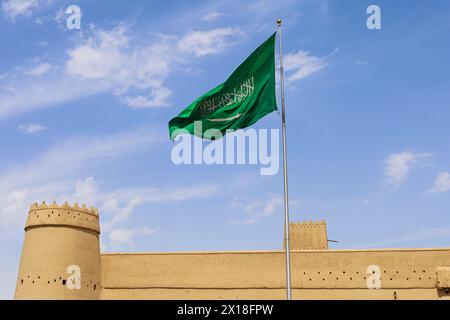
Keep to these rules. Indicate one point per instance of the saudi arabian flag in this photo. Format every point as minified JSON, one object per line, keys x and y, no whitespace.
{"x":244,"y":98}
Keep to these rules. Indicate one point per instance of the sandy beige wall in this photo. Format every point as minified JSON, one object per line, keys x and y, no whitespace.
{"x":272,"y":294}
{"x":260,"y":274}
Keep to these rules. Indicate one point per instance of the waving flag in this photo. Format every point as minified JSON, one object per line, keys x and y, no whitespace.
{"x":244,"y":98}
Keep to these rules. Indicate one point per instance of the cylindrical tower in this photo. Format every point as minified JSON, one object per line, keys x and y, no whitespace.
{"x":61,"y":254}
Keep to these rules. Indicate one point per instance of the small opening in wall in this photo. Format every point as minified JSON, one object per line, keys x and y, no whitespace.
{"x":64,"y":282}
{"x":95,"y":287}
{"x":21,"y":281}
{"x":48,"y":282}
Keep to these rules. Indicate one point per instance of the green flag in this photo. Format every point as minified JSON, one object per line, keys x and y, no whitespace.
{"x":244,"y":98}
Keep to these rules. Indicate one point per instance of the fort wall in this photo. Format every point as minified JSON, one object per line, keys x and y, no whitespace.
{"x":57,"y":238}
{"x":316,"y":274}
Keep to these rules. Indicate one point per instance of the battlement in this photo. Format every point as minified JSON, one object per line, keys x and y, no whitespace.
{"x":64,"y":215}
{"x":308,"y":235}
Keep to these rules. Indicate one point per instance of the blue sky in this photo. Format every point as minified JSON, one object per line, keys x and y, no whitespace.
{"x":83,"y":117}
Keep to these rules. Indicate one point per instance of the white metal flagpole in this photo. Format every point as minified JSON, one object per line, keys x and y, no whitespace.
{"x":286,"y":198}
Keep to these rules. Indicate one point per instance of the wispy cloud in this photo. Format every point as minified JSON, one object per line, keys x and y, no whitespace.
{"x":212,"y":16}
{"x":201,"y":43}
{"x":397,"y":167}
{"x":302,"y":64}
{"x":117,"y":206}
{"x":52,"y":172}
{"x":441,"y":183}
{"x":431,"y":233}
{"x":109,"y":61}
{"x":158,"y":98}
{"x":106,"y":56}
{"x":125,"y":236}
{"x":32,"y":128}
{"x":40,"y":70}
{"x":15,"y":8}
{"x":258,"y":208}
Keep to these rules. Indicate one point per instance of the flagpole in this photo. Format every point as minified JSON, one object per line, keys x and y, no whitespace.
{"x":286,"y":198}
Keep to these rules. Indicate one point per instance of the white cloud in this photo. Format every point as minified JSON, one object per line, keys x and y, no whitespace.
{"x":397,"y":167}
{"x":125,"y":236}
{"x":16,"y":200}
{"x":100,"y":55}
{"x":121,"y":203}
{"x":158,"y":98}
{"x":103,"y":62}
{"x":302,"y":64}
{"x":108,"y":61}
{"x":14,"y":8}
{"x":201,"y":43}
{"x":27,"y":95}
{"x":212,"y":15}
{"x":258,"y":208}
{"x":117,"y":206}
{"x":53,"y":172}
{"x":32,"y":128}
{"x":442,"y":183}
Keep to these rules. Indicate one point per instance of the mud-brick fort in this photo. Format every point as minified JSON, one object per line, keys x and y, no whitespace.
{"x":57,"y":238}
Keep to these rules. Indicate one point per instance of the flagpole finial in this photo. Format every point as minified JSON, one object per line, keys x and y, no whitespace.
{"x":279,"y":22}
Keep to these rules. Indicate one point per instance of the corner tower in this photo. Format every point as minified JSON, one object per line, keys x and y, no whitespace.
{"x":61,"y":254}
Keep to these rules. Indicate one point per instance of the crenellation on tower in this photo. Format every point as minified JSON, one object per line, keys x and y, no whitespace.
{"x":64,"y":215}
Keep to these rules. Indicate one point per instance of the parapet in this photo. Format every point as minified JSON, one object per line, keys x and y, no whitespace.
{"x":308,"y":235}
{"x":64,"y":215}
